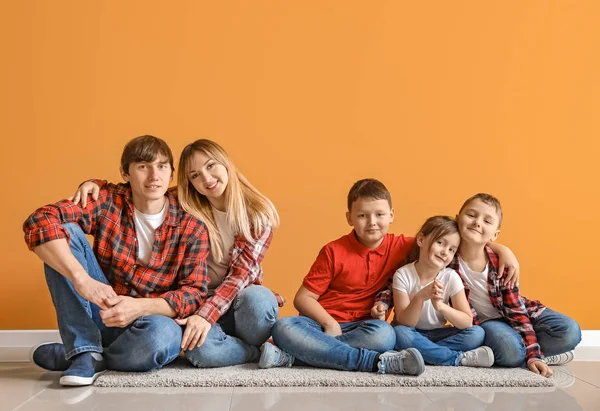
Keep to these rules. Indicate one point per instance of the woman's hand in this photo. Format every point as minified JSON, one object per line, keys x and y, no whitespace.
{"x":82,"y":192}
{"x":196,"y":330}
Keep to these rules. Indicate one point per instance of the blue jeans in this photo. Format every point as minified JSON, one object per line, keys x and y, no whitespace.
{"x":149,"y":342}
{"x":354,"y":350}
{"x":235,"y":338}
{"x":556,"y":333}
{"x":440,"y":346}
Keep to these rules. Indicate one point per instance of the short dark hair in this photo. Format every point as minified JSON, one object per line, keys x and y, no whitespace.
{"x":144,"y":148}
{"x":368,"y":188}
{"x":487,"y":199}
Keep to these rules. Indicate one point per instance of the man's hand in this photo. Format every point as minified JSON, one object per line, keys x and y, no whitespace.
{"x":378,"y":311}
{"x":540,"y":367}
{"x":122,"y":312}
{"x":196,"y":330}
{"x":95,"y":292}
{"x":333,"y":328}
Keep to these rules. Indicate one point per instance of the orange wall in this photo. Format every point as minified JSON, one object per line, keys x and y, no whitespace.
{"x":439,"y":100}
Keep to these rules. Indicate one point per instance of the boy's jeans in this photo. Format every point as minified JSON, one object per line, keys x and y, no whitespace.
{"x":556,"y":333}
{"x":235,"y":338}
{"x":149,"y":342}
{"x":440,"y":346}
{"x":355,"y":349}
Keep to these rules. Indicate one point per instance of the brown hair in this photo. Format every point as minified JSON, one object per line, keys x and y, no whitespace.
{"x":144,"y":148}
{"x":487,"y":199}
{"x":434,"y":227}
{"x":368,"y":188}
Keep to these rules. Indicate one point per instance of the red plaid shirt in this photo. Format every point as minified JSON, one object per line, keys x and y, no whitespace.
{"x":244,"y":270}
{"x":515,"y":308}
{"x":176,"y":270}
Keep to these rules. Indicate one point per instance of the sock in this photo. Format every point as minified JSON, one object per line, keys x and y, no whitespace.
{"x":375,"y":368}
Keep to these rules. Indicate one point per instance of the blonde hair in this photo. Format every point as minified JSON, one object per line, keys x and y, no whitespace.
{"x":249,"y":212}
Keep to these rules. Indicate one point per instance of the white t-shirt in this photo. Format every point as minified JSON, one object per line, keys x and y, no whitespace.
{"x":145,"y":225}
{"x":479,"y":296}
{"x":407,"y":279}
{"x":217,"y":270}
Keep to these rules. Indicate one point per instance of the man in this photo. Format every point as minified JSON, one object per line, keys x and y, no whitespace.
{"x":115,"y":302}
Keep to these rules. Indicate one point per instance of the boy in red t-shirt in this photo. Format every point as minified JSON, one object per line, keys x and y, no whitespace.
{"x":335,"y":329}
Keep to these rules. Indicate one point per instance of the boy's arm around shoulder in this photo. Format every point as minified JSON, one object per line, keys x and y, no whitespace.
{"x":508,"y":265}
{"x":385,"y":297}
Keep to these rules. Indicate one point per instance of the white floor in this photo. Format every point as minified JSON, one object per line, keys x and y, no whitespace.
{"x":25,"y":387}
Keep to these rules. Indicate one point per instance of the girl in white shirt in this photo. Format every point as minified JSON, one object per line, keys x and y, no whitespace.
{"x":427,"y":295}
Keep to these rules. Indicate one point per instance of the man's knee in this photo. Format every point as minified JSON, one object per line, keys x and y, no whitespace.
{"x":76,"y":234}
{"x":159,"y":335}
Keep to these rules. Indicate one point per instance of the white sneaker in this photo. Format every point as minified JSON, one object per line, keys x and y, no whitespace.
{"x":560,"y":359}
{"x":479,"y":357}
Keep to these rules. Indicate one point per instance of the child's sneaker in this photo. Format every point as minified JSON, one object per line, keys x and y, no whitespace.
{"x":272,"y":356}
{"x":479,"y":357}
{"x":49,"y":356}
{"x":84,"y":369}
{"x":560,"y":359}
{"x":409,"y":362}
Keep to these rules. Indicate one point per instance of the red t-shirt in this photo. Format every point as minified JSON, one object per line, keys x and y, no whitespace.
{"x":347,"y":275}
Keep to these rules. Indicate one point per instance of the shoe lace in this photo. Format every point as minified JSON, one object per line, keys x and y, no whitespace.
{"x":392,"y":363}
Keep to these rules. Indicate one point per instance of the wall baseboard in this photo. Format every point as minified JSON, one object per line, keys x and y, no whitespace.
{"x":15,"y":345}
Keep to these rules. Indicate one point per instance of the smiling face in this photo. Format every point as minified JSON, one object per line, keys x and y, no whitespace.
{"x":209,"y":178}
{"x":478,"y":223}
{"x":371,"y":220}
{"x":149,"y":182}
{"x":439,"y":253}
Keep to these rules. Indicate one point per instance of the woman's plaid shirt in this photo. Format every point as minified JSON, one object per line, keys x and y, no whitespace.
{"x":176,"y":270}
{"x":244,"y":270}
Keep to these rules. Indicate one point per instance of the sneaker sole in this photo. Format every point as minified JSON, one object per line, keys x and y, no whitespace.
{"x":491,"y":358}
{"x":417,"y":354}
{"x":74,"y":381}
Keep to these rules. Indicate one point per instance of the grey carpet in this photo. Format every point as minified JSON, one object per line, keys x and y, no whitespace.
{"x":248,"y":375}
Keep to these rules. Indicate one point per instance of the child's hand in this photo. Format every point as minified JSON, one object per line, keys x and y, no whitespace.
{"x":378,"y":311}
{"x":433,"y":290}
{"x":438,"y":298}
{"x":333,"y":329}
{"x":508,"y":267}
{"x":540,"y":367}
